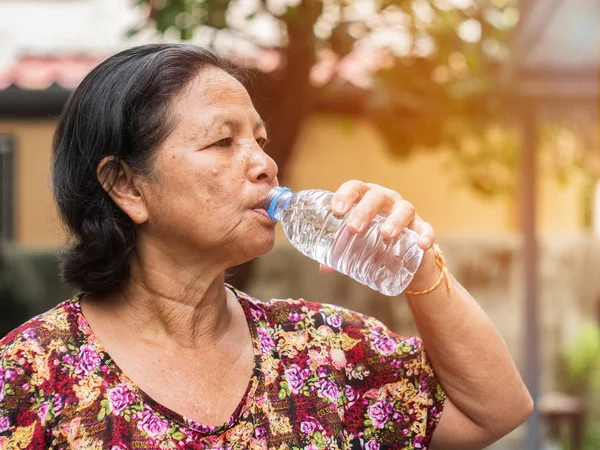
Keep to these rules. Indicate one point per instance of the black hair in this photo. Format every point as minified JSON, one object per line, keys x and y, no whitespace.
{"x":122,"y":110}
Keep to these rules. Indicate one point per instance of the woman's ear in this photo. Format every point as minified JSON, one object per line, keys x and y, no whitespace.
{"x":123,"y":186}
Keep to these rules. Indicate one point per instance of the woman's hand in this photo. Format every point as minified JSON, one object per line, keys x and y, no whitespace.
{"x":372,"y":199}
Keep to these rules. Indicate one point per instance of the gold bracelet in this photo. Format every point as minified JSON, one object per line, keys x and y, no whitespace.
{"x":441,"y":262}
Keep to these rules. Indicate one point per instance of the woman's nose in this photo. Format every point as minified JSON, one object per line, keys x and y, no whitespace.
{"x":263,"y":167}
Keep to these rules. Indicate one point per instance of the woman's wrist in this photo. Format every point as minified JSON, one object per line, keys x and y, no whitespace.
{"x":428,"y":274}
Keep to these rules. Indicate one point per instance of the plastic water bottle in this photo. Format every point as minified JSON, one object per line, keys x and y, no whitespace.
{"x":385,"y":265}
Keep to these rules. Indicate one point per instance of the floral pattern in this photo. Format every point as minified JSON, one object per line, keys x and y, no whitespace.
{"x":324,"y":378}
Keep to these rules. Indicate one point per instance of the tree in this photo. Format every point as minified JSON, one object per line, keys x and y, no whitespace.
{"x":436,"y":61}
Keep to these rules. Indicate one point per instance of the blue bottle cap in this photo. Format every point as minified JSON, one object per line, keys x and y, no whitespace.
{"x":277,"y":192}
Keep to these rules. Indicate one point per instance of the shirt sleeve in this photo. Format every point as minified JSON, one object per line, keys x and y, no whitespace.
{"x":391,"y":387}
{"x":21,"y":407}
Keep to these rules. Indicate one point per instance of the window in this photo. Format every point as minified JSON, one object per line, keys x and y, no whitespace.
{"x":6,"y":189}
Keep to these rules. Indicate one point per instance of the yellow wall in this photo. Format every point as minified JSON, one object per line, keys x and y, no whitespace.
{"x":329,"y":152}
{"x":560,"y":207}
{"x":36,"y":224}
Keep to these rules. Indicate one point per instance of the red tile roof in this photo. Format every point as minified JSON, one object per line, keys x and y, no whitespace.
{"x":40,"y":72}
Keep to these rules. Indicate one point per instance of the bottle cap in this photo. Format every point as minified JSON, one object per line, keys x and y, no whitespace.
{"x":274,"y":197}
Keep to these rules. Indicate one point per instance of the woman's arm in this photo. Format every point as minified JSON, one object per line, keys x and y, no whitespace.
{"x":486,"y":395}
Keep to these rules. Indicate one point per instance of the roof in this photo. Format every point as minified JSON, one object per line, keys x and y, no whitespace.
{"x":41,"y":72}
{"x":38,"y":86}
{"x":557,"y":48}
{"x":560,"y":35}
{"x":67,"y":71}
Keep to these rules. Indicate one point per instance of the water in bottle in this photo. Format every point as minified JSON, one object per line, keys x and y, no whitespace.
{"x":386,"y":265}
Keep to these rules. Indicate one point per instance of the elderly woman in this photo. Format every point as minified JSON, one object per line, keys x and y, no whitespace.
{"x":160,"y":175}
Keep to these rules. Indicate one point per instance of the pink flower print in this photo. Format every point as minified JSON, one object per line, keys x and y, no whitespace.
{"x":28,"y":334}
{"x":58,"y":403}
{"x":413,"y":342}
{"x":4,"y":424}
{"x":372,"y":445}
{"x":308,"y":427}
{"x":88,"y":360}
{"x":68,"y":359}
{"x":294,"y":316}
{"x":315,"y":357}
{"x":9,"y":375}
{"x":338,"y":358}
{"x":152,"y":425}
{"x":380,"y":413}
{"x":328,"y":389}
{"x":43,"y":412}
{"x":257,"y":314}
{"x":296,"y":377}
{"x":384,"y":345}
{"x":199,"y":427}
{"x":322,"y":372}
{"x":311,"y":447}
{"x":266,"y":342}
{"x":119,"y":398}
{"x":419,"y":442}
{"x":260,"y":432}
{"x":350,"y":394}
{"x":334,"y":321}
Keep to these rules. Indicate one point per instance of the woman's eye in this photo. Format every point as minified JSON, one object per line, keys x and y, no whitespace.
{"x":224,"y":142}
{"x":262,"y":142}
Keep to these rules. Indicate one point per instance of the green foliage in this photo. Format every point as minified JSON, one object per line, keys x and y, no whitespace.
{"x":440,"y":82}
{"x":440,"y":63}
{"x":587,"y":194}
{"x":478,"y":153}
{"x":583,"y":358}
{"x":184,"y":15}
{"x":582,"y":364}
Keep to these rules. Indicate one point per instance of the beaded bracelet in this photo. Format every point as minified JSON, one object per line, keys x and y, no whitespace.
{"x":441,"y":262}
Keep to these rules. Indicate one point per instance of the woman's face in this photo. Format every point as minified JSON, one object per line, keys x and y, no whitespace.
{"x":212,"y":176}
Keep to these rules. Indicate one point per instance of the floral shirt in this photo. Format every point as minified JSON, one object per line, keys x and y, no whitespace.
{"x":324,"y":378}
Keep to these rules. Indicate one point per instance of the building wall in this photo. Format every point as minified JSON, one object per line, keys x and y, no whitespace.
{"x":36,"y":222}
{"x":329,"y":153}
{"x":332,"y":151}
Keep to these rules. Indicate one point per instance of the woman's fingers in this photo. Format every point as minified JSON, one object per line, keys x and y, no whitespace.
{"x":426,"y":233}
{"x":374,"y":201}
{"x":370,"y":200}
{"x":326,"y":269}
{"x":402,"y":216}
{"x":347,"y":195}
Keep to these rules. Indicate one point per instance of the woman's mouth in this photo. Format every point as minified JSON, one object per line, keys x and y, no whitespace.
{"x":262,"y":212}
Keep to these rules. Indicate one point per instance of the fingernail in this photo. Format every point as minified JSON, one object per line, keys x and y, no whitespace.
{"x":389,"y":228}
{"x":339,"y":206}
{"x":356,"y":224}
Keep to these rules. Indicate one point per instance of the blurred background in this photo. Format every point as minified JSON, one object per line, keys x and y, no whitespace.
{"x":483,"y":113}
